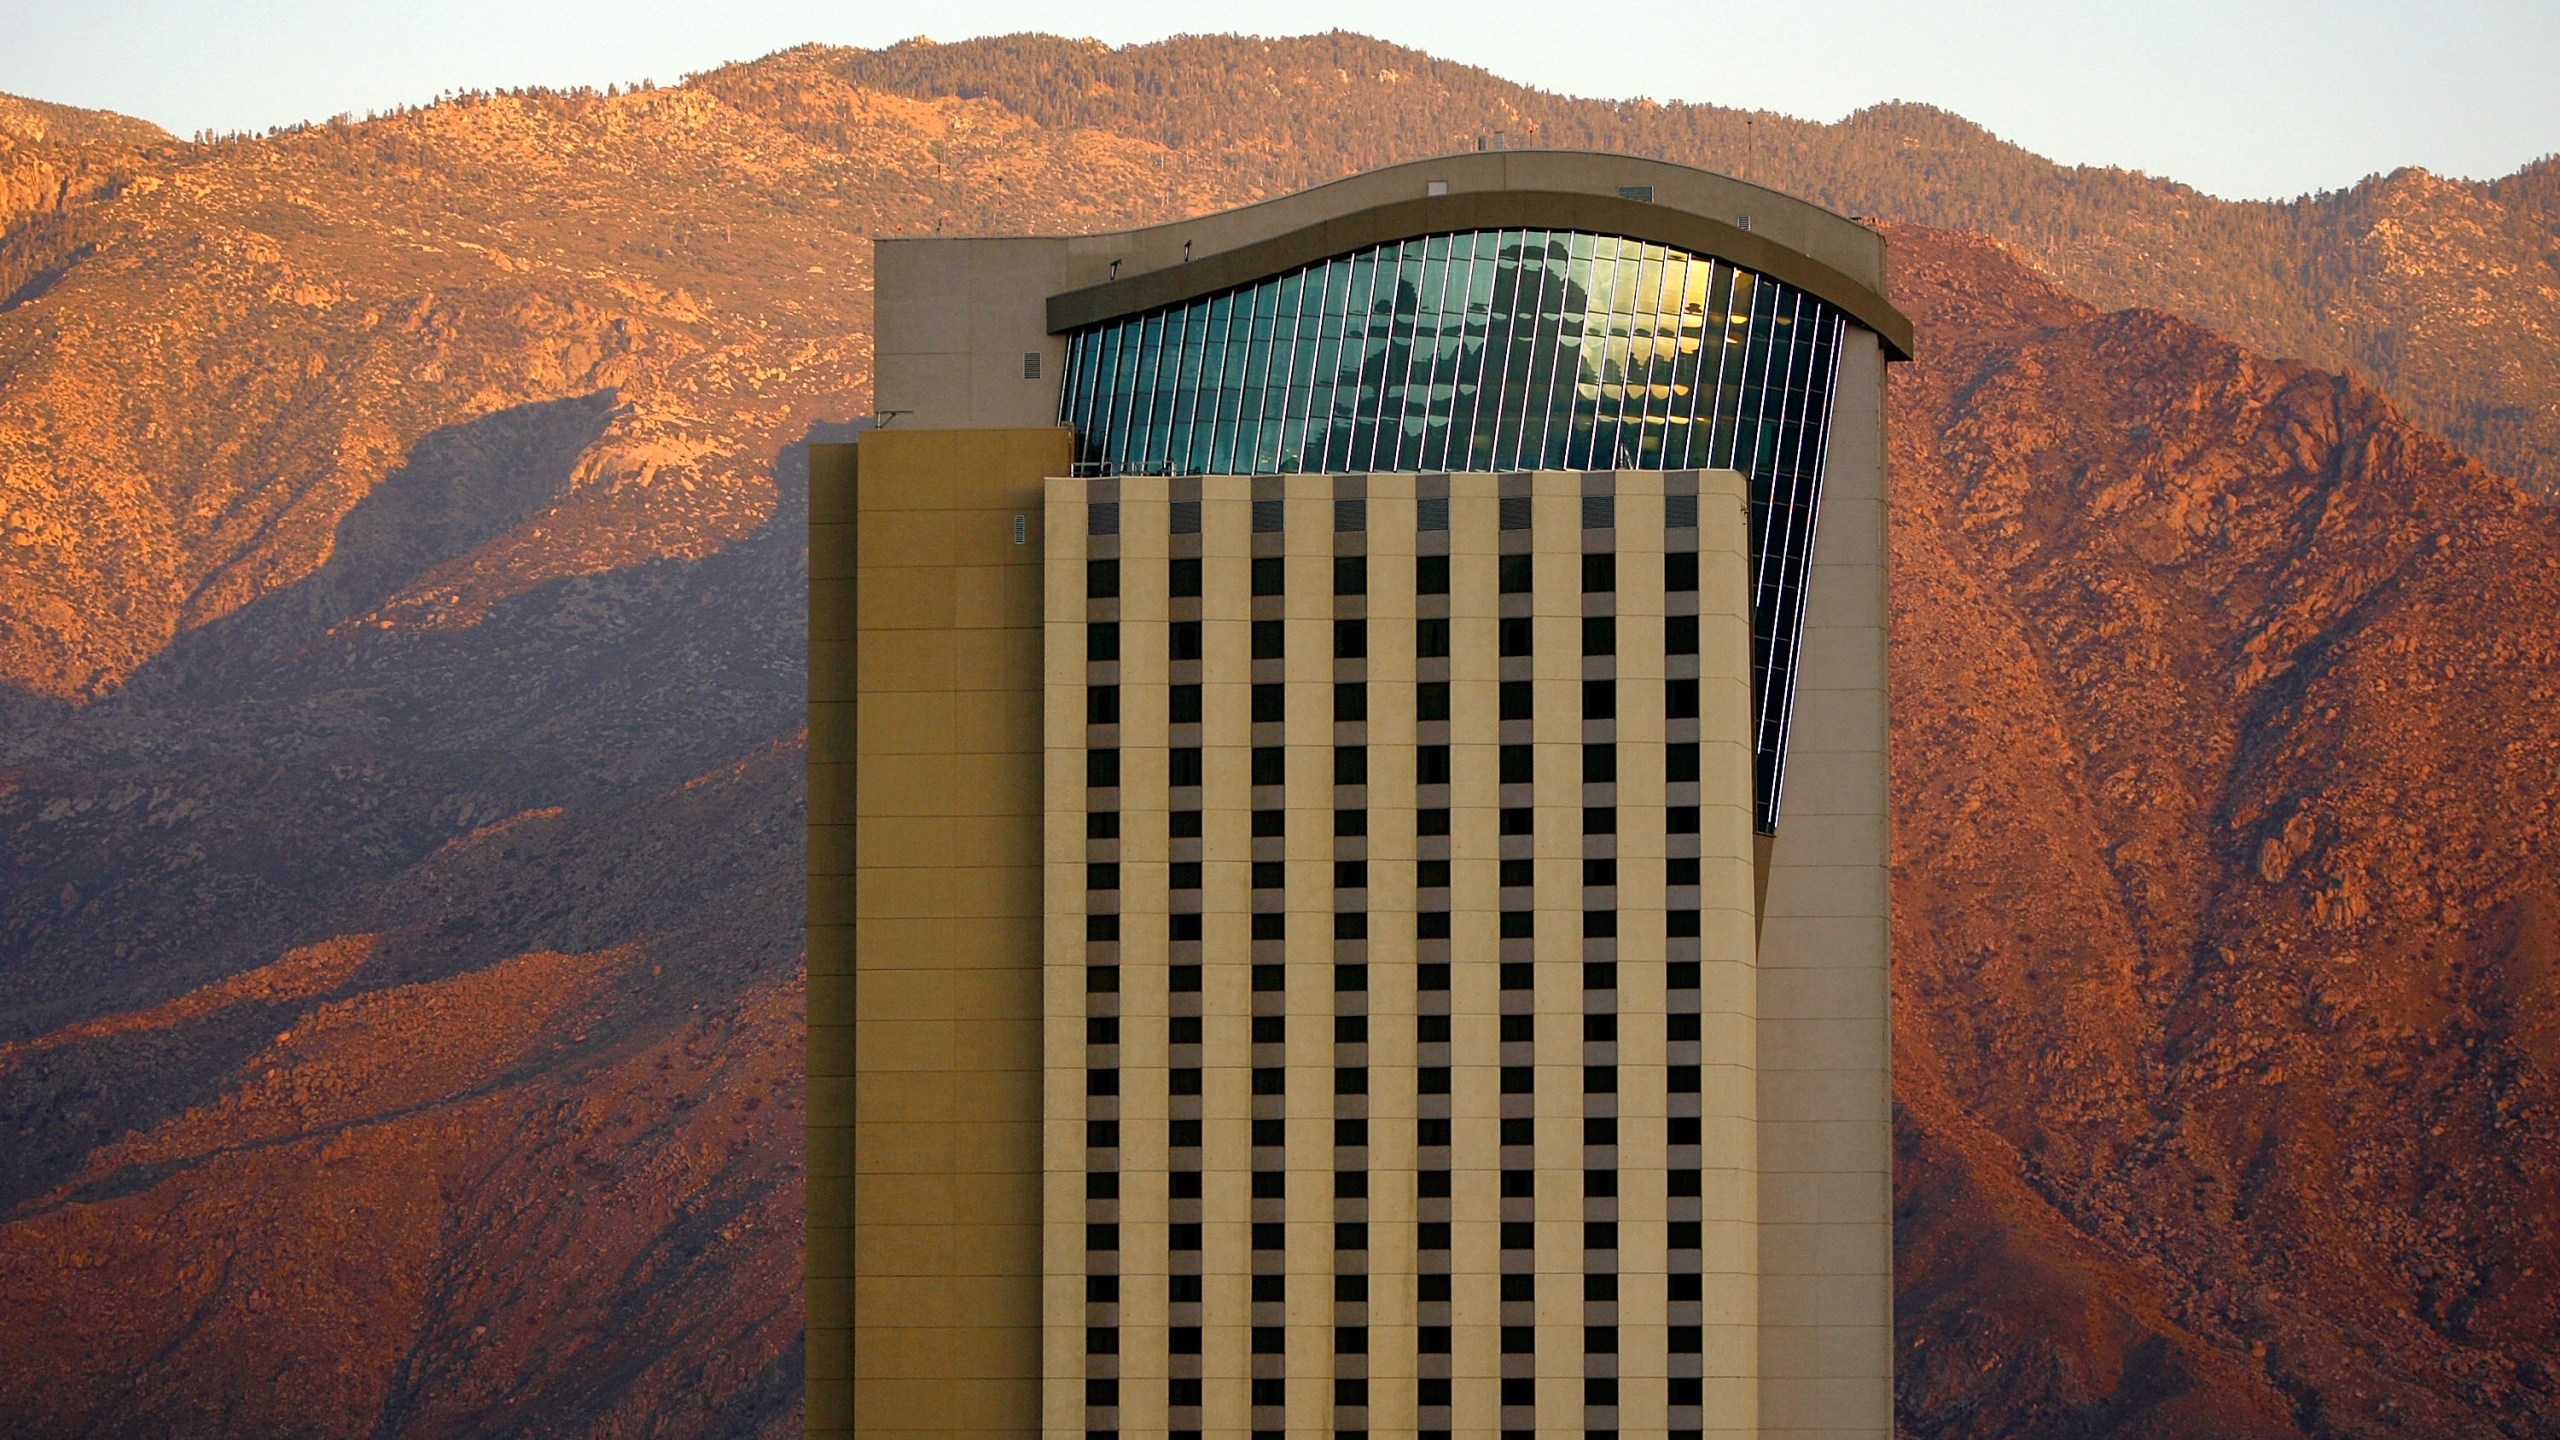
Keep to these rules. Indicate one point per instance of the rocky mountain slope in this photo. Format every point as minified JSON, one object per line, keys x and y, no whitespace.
{"x":2447,"y":293}
{"x":400,"y":683}
{"x":2224,"y":770}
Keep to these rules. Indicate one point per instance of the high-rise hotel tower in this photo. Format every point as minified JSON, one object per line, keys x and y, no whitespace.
{"x":1348,"y":823}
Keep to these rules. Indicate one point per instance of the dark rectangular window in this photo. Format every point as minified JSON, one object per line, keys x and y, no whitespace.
{"x":1267,"y":575}
{"x":1515,"y":699}
{"x":1270,"y":703}
{"x":1102,"y":825}
{"x":1680,"y":571}
{"x":1268,"y":638}
{"x":1599,"y":635}
{"x":1184,"y":825}
{"x":1183,"y":766}
{"x":1270,"y":822}
{"x":1680,"y":699}
{"x":1599,"y":872}
{"x":1514,"y":572}
{"x":1102,"y":875}
{"x":1434,"y":821}
{"x":1184,"y":1030}
{"x":1182,"y":705}
{"x":1431,"y":700}
{"x":1431,"y":574}
{"x":1351,"y":1080}
{"x":1102,"y":1339}
{"x":1599,"y":699}
{"x":1518,"y":820}
{"x":1270,"y":765}
{"x":1682,"y":1025}
{"x":1185,"y":578}
{"x":1599,"y":820}
{"x":1101,"y":579}
{"x":1102,"y":768}
{"x":1102,"y":642}
{"x":1599,"y":574}
{"x":1431,"y":765}
{"x":1350,"y":875}
{"x":1680,"y":870}
{"x":1350,"y":703}
{"x":1350,"y":575}
{"x":1350,"y":764}
{"x":1680,"y":763}
{"x":1350,"y":639}
{"x":1431,"y":874}
{"x":1431,"y":639}
{"x":1514,"y":635}
{"x":1350,"y":822}
{"x":1183,"y":875}
{"x":1270,"y":874}
{"x":1599,"y":764}
{"x":1680,"y":635}
{"x":1102,"y":705}
{"x":1681,"y":820}
{"x":1182,"y":640}
{"x":1517,"y":874}
{"x":1519,"y":764}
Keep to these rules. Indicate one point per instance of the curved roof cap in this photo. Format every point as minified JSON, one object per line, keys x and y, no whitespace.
{"x":1827,"y":255}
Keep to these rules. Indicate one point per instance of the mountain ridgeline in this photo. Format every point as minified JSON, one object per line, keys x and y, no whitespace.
{"x":2445,"y":293}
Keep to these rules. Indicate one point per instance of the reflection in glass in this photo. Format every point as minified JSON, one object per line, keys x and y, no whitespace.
{"x":1493,"y":350}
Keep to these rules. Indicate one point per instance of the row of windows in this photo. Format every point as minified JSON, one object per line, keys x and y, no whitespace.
{"x":1513,"y":635}
{"x":1513,"y":699}
{"x":1512,"y":575}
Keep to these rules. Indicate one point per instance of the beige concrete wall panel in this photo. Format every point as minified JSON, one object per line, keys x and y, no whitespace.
{"x":1825,"y":1096}
{"x":943,"y":1097}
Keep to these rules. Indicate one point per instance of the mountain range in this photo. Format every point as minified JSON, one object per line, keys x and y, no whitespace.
{"x":401,"y":631}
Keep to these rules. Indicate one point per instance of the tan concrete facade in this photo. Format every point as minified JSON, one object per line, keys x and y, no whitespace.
{"x":967,"y":1048}
{"x":925,"y":921}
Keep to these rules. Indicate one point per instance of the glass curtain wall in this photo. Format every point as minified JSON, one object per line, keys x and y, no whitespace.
{"x":1493,"y":350}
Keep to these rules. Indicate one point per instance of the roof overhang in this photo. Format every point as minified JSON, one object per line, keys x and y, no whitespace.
{"x":1482,"y":210}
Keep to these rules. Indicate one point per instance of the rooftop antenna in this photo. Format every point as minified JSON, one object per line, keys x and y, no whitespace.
{"x":880,"y":418}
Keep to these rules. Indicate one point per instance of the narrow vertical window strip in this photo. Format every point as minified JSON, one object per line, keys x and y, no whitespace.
{"x":1773,"y":782}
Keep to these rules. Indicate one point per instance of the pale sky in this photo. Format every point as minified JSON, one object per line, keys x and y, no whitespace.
{"x":2241,"y":98}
